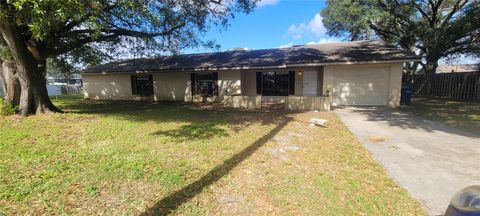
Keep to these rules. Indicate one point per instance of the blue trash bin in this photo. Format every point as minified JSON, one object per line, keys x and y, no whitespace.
{"x":406,"y":97}
{"x":465,"y":203}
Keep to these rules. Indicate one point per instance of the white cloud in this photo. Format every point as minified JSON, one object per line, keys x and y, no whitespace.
{"x":263,"y":3}
{"x":237,"y":49}
{"x":321,"y":41}
{"x":324,"y":40}
{"x":313,"y":27}
{"x":290,"y":44}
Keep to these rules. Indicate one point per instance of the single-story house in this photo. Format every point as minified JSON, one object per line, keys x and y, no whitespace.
{"x":303,"y":77}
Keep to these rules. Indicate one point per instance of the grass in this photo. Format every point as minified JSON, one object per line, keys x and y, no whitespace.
{"x":156,"y":158}
{"x":456,"y":113}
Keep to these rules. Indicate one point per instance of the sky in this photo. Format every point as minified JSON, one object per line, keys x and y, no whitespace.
{"x":280,"y":23}
{"x":274,"y":23}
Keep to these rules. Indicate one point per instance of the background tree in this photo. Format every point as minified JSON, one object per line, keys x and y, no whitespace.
{"x":433,"y":29}
{"x":60,"y":70}
{"x":8,"y":76}
{"x":34,"y":31}
{"x":65,"y":65}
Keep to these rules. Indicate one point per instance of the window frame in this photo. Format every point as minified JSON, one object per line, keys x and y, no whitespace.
{"x":277,"y":85}
{"x":209,"y":79}
{"x":142,"y":85}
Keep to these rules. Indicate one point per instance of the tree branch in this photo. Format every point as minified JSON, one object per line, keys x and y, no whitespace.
{"x":454,"y":10}
{"x":108,"y":34}
{"x":75,"y":22}
{"x":424,"y":14}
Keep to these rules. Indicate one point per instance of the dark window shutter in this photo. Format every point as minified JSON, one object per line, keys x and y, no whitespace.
{"x":215,"y":83}
{"x":259,"y":82}
{"x":133,"y":79}
{"x":193,"y":83}
{"x":291,"y":82}
{"x":150,"y":81}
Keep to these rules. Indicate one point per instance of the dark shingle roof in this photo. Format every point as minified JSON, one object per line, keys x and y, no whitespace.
{"x":318,"y":54}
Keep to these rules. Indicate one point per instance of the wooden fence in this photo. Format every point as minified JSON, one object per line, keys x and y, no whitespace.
{"x":464,"y":86}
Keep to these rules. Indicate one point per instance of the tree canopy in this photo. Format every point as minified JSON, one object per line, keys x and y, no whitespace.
{"x":433,"y":29}
{"x":60,"y":27}
{"x":73,"y":31}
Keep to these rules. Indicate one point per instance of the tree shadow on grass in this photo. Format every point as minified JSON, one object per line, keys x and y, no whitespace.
{"x":170,"y":203}
{"x":190,"y":122}
{"x":145,"y":110}
{"x":199,"y":122}
{"x":194,"y":130}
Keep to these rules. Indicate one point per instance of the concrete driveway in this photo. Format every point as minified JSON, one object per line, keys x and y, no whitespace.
{"x":429,"y":159}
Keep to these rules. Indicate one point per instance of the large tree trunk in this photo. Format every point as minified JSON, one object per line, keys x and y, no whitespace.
{"x":430,"y":68}
{"x":31,"y":72}
{"x":34,"y":96}
{"x":410,"y":70}
{"x":10,"y":83}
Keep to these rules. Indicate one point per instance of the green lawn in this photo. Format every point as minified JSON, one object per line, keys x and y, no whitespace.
{"x":463,"y":114}
{"x":127,"y":158}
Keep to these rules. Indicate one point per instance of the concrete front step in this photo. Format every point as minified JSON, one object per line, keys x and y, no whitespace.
{"x":273,"y":105}
{"x":273,"y":99}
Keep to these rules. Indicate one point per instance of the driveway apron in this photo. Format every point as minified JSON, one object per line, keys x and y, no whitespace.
{"x":429,"y":159}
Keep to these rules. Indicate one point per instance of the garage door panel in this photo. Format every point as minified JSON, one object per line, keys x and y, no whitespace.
{"x":360,"y":86}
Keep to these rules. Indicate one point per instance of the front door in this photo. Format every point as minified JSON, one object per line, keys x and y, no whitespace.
{"x":310,"y":83}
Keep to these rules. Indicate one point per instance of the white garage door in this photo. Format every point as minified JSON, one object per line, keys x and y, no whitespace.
{"x":360,"y":86}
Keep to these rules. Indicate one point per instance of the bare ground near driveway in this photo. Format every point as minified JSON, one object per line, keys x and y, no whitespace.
{"x":430,"y":159}
{"x":454,"y":112}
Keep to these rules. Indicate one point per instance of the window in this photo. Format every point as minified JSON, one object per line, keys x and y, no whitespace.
{"x":142,"y":85}
{"x":274,"y":83}
{"x":204,"y":84}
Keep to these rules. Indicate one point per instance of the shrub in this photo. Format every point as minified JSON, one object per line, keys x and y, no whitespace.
{"x":6,"y":108}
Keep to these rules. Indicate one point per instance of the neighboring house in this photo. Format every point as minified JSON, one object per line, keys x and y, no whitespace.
{"x":74,"y":80}
{"x":302,"y":77}
{"x":59,"y":86}
{"x":459,"y":68}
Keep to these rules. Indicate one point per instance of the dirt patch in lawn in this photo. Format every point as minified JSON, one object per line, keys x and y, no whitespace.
{"x":305,"y":170}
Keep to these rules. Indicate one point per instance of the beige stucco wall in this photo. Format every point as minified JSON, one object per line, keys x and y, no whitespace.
{"x":172,"y":86}
{"x":246,"y":102}
{"x":395,"y":85}
{"x":301,"y":103}
{"x":296,"y":103}
{"x":394,"y":74}
{"x":107,"y":86}
{"x":229,"y":83}
{"x":175,"y":85}
{"x":250,"y":83}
